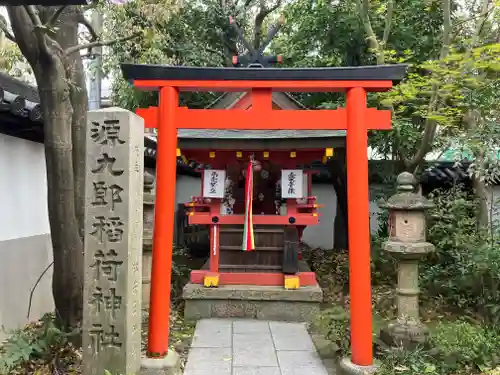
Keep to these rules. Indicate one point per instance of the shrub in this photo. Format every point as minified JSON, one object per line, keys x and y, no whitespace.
{"x":333,"y":323}
{"x":466,"y":345}
{"x":37,"y":346}
{"x":465,"y":268}
{"x":399,"y":361}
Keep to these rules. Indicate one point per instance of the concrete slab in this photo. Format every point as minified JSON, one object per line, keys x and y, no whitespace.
{"x":250,"y":326}
{"x":256,"y":371}
{"x":298,"y":358}
{"x":250,"y":347}
{"x":291,"y":336}
{"x":209,"y":361}
{"x":212,"y":333}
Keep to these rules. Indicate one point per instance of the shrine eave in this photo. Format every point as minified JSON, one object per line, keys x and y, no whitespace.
{"x":373,"y":78}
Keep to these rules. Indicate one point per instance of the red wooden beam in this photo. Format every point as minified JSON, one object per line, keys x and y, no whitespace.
{"x":150,"y":116}
{"x":240,"y":119}
{"x":205,"y":218}
{"x":277,"y":86}
{"x":252,"y":278}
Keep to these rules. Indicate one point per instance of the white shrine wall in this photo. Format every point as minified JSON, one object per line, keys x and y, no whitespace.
{"x":25,"y":247}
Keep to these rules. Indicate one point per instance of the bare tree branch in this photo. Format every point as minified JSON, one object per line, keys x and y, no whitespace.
{"x":79,"y":47}
{"x":480,"y":15}
{"x":85,"y":22}
{"x":53,"y":19}
{"x":39,"y":29}
{"x":430,"y":127}
{"x":388,"y":22}
{"x":373,"y":44}
{"x":5,"y":29}
{"x":259,"y":20}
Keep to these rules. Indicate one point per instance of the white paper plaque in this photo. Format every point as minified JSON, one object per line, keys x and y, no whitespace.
{"x":292,"y":183}
{"x":214,"y":183}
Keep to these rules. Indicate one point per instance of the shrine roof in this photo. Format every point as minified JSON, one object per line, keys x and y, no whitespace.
{"x":20,"y":111}
{"x":393,"y":73}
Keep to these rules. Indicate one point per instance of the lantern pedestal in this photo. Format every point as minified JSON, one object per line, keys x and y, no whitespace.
{"x":407,"y":245}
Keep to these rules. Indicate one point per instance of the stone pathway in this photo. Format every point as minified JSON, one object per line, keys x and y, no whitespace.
{"x":252,"y":347}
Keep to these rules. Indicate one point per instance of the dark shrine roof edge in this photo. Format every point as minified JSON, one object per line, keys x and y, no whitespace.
{"x":393,"y":73}
{"x":227,"y":134}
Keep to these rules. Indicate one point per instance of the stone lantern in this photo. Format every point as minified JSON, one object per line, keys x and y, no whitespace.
{"x":147,"y":237}
{"x":407,"y":245}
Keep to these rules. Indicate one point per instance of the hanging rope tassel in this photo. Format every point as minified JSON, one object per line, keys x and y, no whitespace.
{"x":248,"y":236}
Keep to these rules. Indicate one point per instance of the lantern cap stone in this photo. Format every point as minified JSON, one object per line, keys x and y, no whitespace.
{"x":406,"y":182}
{"x":406,"y":199}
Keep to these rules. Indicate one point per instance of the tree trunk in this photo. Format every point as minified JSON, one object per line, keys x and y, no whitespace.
{"x":338,"y":172}
{"x":481,"y":193}
{"x":67,"y":36}
{"x":67,"y":282}
{"x":45,"y":56}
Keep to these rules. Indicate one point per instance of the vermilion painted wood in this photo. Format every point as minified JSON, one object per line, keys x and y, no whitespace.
{"x":150,"y":116}
{"x":252,"y":278}
{"x":277,"y":86}
{"x":161,"y":272}
{"x":205,"y":218}
{"x":359,"y":228}
{"x":267,"y":119}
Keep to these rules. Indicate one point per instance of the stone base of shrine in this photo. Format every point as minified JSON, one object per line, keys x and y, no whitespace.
{"x":252,"y":301}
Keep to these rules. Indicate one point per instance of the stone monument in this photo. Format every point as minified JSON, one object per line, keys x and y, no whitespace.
{"x":113,"y":242}
{"x":407,"y":245}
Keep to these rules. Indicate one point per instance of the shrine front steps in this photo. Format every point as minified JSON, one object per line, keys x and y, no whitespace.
{"x":252,"y":302}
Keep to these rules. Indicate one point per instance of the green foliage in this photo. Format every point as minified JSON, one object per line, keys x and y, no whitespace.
{"x":195,"y":34}
{"x":42,"y":342}
{"x":180,"y":273}
{"x":333,"y":323}
{"x":465,"y":269}
{"x":463,"y":344}
{"x":457,"y":347}
{"x":400,"y":361}
{"x":331,"y":268}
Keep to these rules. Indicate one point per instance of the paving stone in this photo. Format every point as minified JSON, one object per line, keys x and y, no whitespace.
{"x":209,"y":361}
{"x":292,"y":337}
{"x":209,"y":356}
{"x":252,"y":340}
{"x":256,"y":371}
{"x":210,"y":325}
{"x":304,"y":370}
{"x":216,"y":334}
{"x":253,"y":350}
{"x":221,"y":370}
{"x":250,"y":326}
{"x":278,"y":327}
{"x":292,"y":359}
{"x":263,"y":356}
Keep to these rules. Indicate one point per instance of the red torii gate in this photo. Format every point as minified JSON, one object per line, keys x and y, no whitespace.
{"x":356,"y":118}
